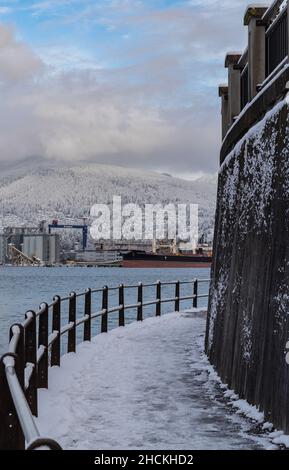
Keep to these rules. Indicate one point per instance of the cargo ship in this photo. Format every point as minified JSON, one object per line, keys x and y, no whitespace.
{"x":141,"y":259}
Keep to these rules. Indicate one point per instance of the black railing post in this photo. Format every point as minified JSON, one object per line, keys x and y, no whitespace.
{"x":195,"y":300}
{"x":104,"y":316}
{"x":87,"y":311}
{"x":159,"y":298}
{"x":43,"y":341}
{"x":121,"y":319}
{"x":177,"y":296}
{"x":56,"y":327}
{"x":31,"y":360}
{"x":71,"y":343}
{"x":11,"y":435}
{"x":277,"y":43}
{"x":140,"y":302}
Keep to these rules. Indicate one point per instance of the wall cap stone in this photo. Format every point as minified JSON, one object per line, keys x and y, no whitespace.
{"x":232,"y":58}
{"x":223,"y":89}
{"x":255,"y":11}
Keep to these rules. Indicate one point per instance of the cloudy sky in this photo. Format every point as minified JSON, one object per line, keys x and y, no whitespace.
{"x":130,"y":82}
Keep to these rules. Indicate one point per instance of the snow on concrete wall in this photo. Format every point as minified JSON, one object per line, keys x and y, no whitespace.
{"x":248,"y":322}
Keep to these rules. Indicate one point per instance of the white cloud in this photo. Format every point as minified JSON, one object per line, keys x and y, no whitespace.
{"x":157,"y":109}
{"x":4,"y":10}
{"x":17,"y":61}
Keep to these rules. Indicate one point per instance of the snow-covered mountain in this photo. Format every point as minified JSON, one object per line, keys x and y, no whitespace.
{"x":67,"y":193}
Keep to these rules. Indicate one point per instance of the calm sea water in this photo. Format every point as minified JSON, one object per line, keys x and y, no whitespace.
{"x":22,"y":289}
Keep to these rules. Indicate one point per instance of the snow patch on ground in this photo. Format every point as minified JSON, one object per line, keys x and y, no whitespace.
{"x":145,"y":386}
{"x":279,"y":438}
{"x":242,"y":407}
{"x":247,"y":410}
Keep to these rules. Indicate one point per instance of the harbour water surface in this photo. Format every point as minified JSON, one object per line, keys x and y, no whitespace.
{"x":22,"y":289}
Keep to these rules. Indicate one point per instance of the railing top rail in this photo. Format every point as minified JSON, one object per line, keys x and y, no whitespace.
{"x":96,"y":291}
{"x":42,"y":307}
{"x":132,"y":286}
{"x":243,"y":61}
{"x":79,"y":294}
{"x":54,"y":301}
{"x":98,"y":314}
{"x":26,"y":420}
{"x":28,"y":318}
{"x":64,"y":299}
{"x":273,"y":10}
{"x":182,"y":283}
{"x":245,"y":69}
{"x":271,"y":27}
{"x":15,"y":330}
{"x":111,"y":289}
{"x":23,"y":411}
{"x":150,"y":285}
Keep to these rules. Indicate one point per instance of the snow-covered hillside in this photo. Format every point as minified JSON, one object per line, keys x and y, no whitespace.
{"x":67,"y":193}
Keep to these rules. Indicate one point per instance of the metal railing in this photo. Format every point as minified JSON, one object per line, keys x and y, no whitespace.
{"x":245,"y":86}
{"x":34,"y":347}
{"x":273,"y":11}
{"x":263,"y":66}
{"x":276,"y":41}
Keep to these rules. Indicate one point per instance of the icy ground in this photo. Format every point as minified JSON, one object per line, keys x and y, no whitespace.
{"x":145,"y":386}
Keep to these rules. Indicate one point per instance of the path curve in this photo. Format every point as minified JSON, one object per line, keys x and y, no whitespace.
{"x":145,"y":386}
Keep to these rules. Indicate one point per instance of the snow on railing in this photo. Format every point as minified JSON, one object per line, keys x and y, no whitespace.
{"x":34,"y":347}
{"x":274,"y":10}
{"x":263,"y":67}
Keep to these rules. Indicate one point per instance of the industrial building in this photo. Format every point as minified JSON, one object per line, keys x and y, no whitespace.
{"x":43,"y":247}
{"x":3,"y":248}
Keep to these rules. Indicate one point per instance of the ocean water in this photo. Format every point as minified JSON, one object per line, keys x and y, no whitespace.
{"x":23,"y":289}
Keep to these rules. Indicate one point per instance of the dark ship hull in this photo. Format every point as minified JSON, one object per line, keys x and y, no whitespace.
{"x":146,"y":260}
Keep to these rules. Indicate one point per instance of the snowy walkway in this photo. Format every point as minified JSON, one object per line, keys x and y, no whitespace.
{"x":145,"y":386}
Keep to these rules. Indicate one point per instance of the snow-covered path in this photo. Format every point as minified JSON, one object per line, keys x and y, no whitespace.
{"x":145,"y":386}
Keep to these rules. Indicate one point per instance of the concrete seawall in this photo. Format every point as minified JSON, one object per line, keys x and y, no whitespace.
{"x":248,"y":322}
